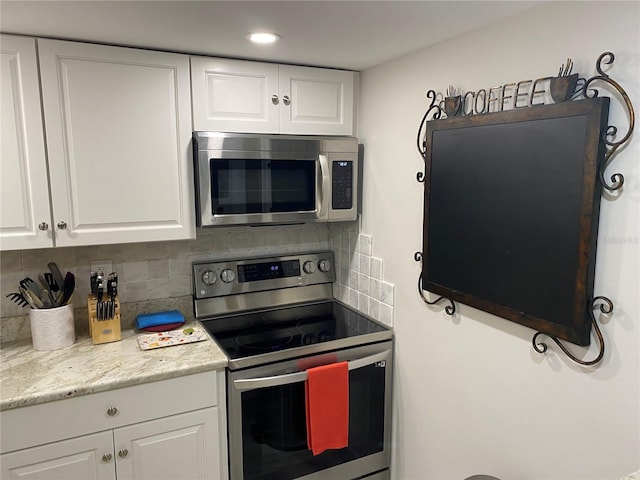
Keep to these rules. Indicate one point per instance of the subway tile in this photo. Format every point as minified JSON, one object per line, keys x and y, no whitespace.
{"x":363,"y":303}
{"x":376,"y":268}
{"x":135,"y":252}
{"x":353,"y":279}
{"x":158,"y":269}
{"x":133,"y":292}
{"x":365,"y":264}
{"x":10,"y":261}
{"x":36,"y":259}
{"x":386,"y":293}
{"x":353,"y":298}
{"x":374,"y":308}
{"x":355,"y":262}
{"x":363,"y":284}
{"x":386,"y":314}
{"x":178,"y":248}
{"x":364,"y":244}
{"x":375,"y":289}
{"x":157,"y":250}
{"x":159,"y":288}
{"x":135,"y":271}
{"x":180,"y":285}
{"x":179,"y":266}
{"x":344,"y":240}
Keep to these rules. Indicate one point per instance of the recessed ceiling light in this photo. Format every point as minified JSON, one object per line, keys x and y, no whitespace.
{"x":263,"y":37}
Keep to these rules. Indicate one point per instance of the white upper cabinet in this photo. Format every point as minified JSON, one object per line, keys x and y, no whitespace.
{"x":255,"y":97}
{"x":320,"y":101}
{"x":25,"y":216}
{"x":234,"y":96}
{"x":118,"y":125}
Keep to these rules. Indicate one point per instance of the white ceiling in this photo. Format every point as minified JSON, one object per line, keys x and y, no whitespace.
{"x":341,"y":34}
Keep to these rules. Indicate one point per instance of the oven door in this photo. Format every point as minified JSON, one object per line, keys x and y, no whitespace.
{"x":248,"y":188}
{"x":267,"y":423}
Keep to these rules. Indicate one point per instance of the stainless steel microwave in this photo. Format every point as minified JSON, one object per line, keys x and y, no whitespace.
{"x":255,"y":179}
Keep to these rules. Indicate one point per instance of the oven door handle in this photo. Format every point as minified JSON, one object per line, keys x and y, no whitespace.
{"x":264,"y":382}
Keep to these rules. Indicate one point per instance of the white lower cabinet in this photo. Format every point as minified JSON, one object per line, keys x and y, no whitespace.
{"x":184,"y":446}
{"x":166,"y":430}
{"x":75,"y":459}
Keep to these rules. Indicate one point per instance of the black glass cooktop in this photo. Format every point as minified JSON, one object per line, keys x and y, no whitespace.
{"x":261,"y":337}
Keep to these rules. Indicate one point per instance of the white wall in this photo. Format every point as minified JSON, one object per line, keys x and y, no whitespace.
{"x":471,"y":395}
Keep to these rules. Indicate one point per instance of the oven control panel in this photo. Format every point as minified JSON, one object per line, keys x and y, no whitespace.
{"x":229,"y":277}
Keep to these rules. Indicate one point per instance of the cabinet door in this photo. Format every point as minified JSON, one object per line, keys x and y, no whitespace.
{"x":80,"y":458}
{"x":24,"y":191}
{"x":321,"y":101}
{"x":181,"y":446}
{"x":234,"y":95}
{"x":118,"y":135}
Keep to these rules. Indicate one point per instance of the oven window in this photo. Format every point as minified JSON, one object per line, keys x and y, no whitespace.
{"x":262,"y":186}
{"x":274,"y":436}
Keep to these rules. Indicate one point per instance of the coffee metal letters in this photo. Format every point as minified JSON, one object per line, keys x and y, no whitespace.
{"x":526,"y":93}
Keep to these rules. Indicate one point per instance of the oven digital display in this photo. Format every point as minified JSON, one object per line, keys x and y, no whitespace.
{"x":265,"y":271}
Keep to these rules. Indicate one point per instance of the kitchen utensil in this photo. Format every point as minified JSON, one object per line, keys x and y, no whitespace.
{"x":50,"y":282}
{"x":32,"y":285}
{"x":18,"y":298}
{"x":37,"y":292}
{"x":57,"y":274}
{"x":32,"y":299}
{"x":68,"y":286}
{"x":46,"y":289}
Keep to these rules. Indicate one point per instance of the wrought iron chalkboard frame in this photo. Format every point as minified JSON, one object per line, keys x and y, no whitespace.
{"x":563,"y":87}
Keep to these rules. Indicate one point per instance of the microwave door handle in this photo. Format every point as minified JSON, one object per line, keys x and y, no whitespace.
{"x":323,"y":197}
{"x":289,"y":378}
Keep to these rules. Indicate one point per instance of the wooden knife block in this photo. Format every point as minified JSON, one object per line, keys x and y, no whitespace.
{"x":103,"y":331}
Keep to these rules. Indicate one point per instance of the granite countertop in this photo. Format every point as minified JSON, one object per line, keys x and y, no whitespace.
{"x":29,"y":376}
{"x":632,"y":476}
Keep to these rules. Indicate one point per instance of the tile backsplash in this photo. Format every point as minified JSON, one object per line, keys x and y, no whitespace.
{"x":157,"y":276}
{"x":152,"y":276}
{"x":359,"y":275}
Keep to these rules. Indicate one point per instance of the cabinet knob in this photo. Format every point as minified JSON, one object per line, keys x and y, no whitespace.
{"x":275,"y":100}
{"x":106,"y":458}
{"x":43,"y":226}
{"x":123,"y":453}
{"x":62,"y":225}
{"x":112,"y":411}
{"x":286,"y":100}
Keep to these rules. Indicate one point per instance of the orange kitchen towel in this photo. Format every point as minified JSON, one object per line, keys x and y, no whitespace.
{"x":327,"y":404}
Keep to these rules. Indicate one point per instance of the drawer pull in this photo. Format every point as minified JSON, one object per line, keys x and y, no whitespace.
{"x":123,"y":453}
{"x":112,"y":411}
{"x":106,"y":458}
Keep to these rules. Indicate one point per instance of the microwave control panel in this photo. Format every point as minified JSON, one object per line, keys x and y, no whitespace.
{"x":342,"y":185}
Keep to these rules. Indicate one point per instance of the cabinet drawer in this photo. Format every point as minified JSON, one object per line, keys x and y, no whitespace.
{"x":48,"y":422}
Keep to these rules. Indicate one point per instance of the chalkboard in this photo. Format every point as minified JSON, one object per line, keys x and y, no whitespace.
{"x":511,"y":213}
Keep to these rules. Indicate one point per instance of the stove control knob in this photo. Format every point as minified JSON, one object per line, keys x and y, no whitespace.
{"x":208,"y":277}
{"x":227,"y":275}
{"x":324,"y":266}
{"x":309,"y":267}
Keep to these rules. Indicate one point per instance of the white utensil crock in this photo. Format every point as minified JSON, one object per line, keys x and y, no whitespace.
{"x":52,"y":328}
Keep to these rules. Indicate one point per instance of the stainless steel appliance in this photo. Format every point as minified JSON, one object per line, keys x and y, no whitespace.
{"x":275,"y":317}
{"x":251,"y":179}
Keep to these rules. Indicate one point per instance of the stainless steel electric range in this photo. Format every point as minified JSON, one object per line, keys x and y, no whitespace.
{"x":275,"y":317}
